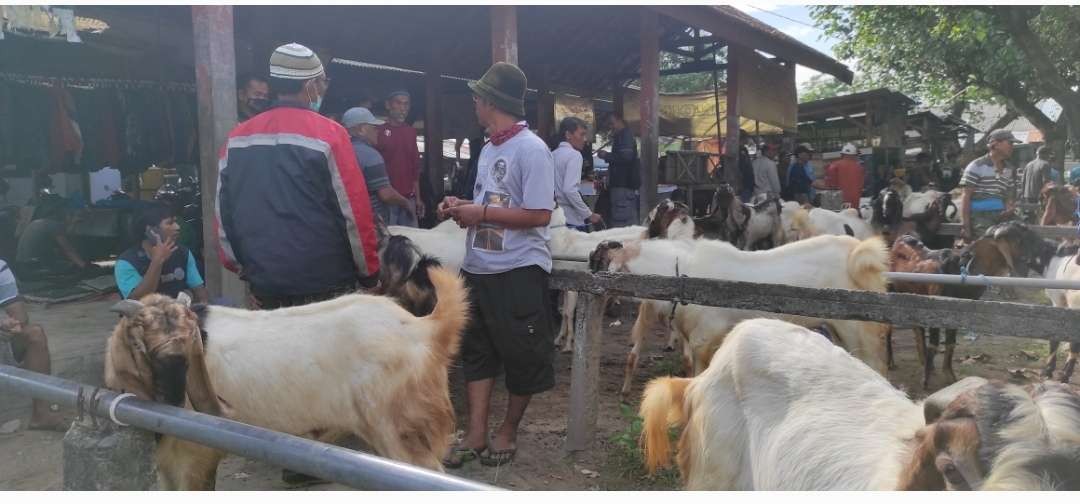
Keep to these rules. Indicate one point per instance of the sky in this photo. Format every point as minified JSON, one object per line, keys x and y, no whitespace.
{"x":797,"y":25}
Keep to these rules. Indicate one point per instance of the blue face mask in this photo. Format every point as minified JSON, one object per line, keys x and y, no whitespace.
{"x":316,"y":105}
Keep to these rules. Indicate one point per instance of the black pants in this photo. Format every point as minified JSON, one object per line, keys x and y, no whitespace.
{"x":510,"y":329}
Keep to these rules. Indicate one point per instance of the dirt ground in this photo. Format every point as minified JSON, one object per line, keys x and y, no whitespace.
{"x":32,"y":460}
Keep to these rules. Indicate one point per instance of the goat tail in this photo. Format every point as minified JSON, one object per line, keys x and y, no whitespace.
{"x":661,"y":407}
{"x":451,"y":312}
{"x":867,"y":263}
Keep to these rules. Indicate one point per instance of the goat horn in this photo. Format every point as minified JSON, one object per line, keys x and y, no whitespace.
{"x":184,"y":299}
{"x":127,"y":307}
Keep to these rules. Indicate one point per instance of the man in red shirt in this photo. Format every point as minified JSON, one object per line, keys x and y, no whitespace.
{"x":397,"y":144}
{"x":846,"y":174}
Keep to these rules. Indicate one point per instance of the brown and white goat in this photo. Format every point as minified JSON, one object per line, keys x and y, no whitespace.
{"x":781,"y":408}
{"x":357,"y":364}
{"x":987,"y":256}
{"x":836,"y":262}
{"x":1059,"y":204}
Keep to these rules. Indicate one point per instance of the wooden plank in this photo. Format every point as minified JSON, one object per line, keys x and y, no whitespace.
{"x":1049,"y":232}
{"x":215,"y":80}
{"x":504,"y":43}
{"x":433,"y":137}
{"x":585,"y":372}
{"x":983,"y":317}
{"x":649,"y":103}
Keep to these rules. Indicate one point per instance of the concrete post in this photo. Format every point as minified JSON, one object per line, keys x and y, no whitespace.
{"x":108,"y":457}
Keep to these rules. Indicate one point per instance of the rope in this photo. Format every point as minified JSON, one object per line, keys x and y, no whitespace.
{"x":678,"y":299}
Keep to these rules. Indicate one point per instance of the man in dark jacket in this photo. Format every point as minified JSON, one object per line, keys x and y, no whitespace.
{"x":624,"y":173}
{"x":294,"y":218}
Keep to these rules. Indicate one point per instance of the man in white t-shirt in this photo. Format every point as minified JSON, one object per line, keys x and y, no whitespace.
{"x":507,"y":264}
{"x":28,"y":344}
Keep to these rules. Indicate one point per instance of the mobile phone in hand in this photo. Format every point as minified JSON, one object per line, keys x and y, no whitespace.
{"x":153,"y":236}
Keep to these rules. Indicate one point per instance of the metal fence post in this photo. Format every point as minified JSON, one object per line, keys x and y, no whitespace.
{"x":585,"y":371}
{"x":13,"y":407}
{"x":101,"y":456}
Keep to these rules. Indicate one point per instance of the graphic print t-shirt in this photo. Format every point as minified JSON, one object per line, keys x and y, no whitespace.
{"x":520,"y":173}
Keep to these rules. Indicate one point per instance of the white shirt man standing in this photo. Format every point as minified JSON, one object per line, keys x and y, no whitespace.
{"x":766,"y":178}
{"x":568,"y":162}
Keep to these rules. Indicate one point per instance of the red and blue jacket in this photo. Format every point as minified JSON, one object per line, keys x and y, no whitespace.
{"x":293,"y":215}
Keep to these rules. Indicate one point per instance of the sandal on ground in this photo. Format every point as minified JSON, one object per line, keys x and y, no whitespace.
{"x":462,"y":454}
{"x":495,"y":458}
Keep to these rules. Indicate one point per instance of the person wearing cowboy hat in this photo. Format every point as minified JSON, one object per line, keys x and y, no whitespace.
{"x":989,"y":184}
{"x":506,"y":267}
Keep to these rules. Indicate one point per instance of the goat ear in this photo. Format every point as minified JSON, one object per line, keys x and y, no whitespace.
{"x":921,"y":473}
{"x":184,"y":299}
{"x":935,"y":405}
{"x":127,"y":308}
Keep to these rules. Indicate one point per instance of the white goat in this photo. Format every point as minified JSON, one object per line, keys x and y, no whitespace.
{"x":667,"y":220}
{"x":357,"y":364}
{"x":837,"y":262}
{"x":818,"y":221}
{"x":445,"y":242}
{"x":780,"y":408}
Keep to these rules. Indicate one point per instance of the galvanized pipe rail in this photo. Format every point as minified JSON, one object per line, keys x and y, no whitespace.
{"x":1033,"y":283}
{"x":329,"y":462}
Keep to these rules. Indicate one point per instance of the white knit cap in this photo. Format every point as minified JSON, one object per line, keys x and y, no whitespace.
{"x":294,"y":61}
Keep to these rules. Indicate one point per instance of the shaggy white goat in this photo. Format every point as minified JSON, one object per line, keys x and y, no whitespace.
{"x":838,"y":262}
{"x":780,"y":408}
{"x":357,"y":364}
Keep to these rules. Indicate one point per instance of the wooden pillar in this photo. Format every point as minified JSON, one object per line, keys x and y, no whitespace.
{"x":545,"y":105}
{"x":433,"y":138}
{"x":504,"y":44}
{"x":649,"y":103}
{"x":215,"y":80}
{"x":731,"y":143}
{"x":618,"y":96}
{"x":585,"y":371}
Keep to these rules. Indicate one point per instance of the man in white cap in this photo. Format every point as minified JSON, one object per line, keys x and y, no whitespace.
{"x":363,"y":128}
{"x":847,"y":175}
{"x":294,"y":219}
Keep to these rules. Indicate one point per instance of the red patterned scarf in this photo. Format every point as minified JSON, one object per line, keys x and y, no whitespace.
{"x":504,"y":135}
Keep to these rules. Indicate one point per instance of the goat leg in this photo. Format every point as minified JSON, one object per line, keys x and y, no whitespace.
{"x":637,"y":337}
{"x":1070,"y":364}
{"x":920,"y":345}
{"x":891,"y":363}
{"x":931,"y":353}
{"x":950,"y":346}
{"x":1051,"y":362}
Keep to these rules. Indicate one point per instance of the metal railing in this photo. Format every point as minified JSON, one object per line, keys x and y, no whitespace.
{"x":329,"y":462}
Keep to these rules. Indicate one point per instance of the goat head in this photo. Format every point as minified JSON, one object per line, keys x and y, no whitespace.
{"x":600,"y":259}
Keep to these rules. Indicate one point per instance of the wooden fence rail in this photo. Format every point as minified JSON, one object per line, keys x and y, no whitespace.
{"x":983,"y":317}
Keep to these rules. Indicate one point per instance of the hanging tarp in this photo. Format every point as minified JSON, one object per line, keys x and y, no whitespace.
{"x":692,"y":115}
{"x":766,"y":89}
{"x":574,"y":106}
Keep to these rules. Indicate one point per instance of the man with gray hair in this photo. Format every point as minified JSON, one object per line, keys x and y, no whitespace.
{"x":362,"y":126}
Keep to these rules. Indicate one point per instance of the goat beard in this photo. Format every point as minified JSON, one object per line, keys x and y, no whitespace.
{"x":170,"y":379}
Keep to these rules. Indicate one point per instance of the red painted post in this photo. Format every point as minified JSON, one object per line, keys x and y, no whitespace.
{"x":215,"y":79}
{"x":649,"y":103}
{"x":504,"y":44}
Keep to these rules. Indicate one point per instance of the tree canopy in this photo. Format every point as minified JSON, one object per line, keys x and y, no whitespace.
{"x":953,"y":55}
